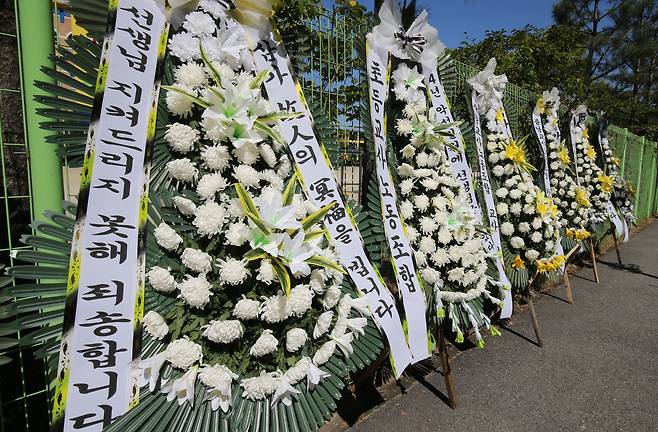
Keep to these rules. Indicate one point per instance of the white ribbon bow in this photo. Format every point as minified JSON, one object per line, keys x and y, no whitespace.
{"x":580,"y":112}
{"x":489,"y":88}
{"x":552,"y":99}
{"x":419,"y":43}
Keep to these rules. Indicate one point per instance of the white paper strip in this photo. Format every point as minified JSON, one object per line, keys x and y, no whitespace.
{"x":492,"y":241}
{"x":98,"y":350}
{"x":541,"y":137}
{"x":322,"y":188}
{"x":413,"y":298}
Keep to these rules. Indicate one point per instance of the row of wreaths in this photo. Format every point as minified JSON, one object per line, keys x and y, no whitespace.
{"x":246,"y":332}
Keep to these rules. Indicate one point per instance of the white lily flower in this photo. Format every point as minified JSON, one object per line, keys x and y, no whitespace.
{"x":314,"y":376}
{"x":344,"y":342}
{"x":487,"y":86}
{"x":357,"y":325}
{"x":295,"y":251}
{"x":276,"y":215}
{"x":284,"y":392}
{"x":150,"y":370}
{"x":182,"y":389}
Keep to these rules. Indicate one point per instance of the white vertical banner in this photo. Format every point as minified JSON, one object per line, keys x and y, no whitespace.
{"x":541,"y":137}
{"x":106,"y":277}
{"x":492,"y":241}
{"x":413,"y":298}
{"x":322,"y":188}
{"x":618,"y":222}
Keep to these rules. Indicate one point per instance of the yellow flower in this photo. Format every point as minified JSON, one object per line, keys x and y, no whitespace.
{"x":605,"y":182}
{"x":545,"y":206}
{"x":586,"y":133}
{"x":499,"y":115}
{"x":615,"y":160}
{"x":578,"y":234}
{"x":541,"y":266}
{"x":555,"y":121}
{"x":563,"y":154}
{"x":541,"y":105}
{"x":582,"y":197}
{"x":589,"y":151}
{"x":518,"y":263}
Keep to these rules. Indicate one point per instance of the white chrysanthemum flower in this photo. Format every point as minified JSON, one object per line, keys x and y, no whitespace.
{"x":246,"y":175}
{"x":532,"y":255}
{"x":247,"y":153}
{"x":421,"y":202}
{"x":498,"y":170}
{"x":232,"y":271}
{"x":536,"y":237}
{"x":184,"y":205}
{"x":456,"y":274}
{"x":216,"y":157}
{"x":515,"y":209}
{"x":295,"y":339}
{"x":323,"y":323}
{"x":524,"y":227}
{"x":223,"y":331}
{"x":317,"y":280}
{"x":506,"y":229}
{"x":191,"y":74}
{"x":167,"y":237}
{"x":155,"y":325}
{"x":266,"y":272}
{"x":196,"y":260}
{"x":408,"y":151}
{"x":427,"y":245}
{"x":430,"y":275}
{"x":440,"y":257}
{"x":181,"y":137}
{"x":445,"y":235}
{"x":406,"y":186}
{"x":183,"y":170}
{"x":199,"y":24}
{"x":260,"y":387}
{"x":209,"y":218}
{"x":428,"y":225}
{"x":195,"y":291}
{"x":210,"y":184}
{"x":274,"y":309}
{"x":331,"y":297}
{"x":517,"y":242}
{"x":179,"y":103}
{"x":183,"y":353}
{"x":246,"y":309}
{"x":264,"y":345}
{"x":161,"y":279}
{"x":502,"y":209}
{"x":219,"y":379}
{"x":300,"y":300}
{"x":237,"y":234}
{"x":184,"y":46}
{"x":502,"y":192}
{"x":324,"y":353}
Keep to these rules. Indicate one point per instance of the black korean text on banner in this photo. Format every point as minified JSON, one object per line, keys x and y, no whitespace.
{"x":413,"y":298}
{"x":322,"y":188}
{"x":492,"y":241}
{"x":105,"y":286}
{"x":541,"y":137}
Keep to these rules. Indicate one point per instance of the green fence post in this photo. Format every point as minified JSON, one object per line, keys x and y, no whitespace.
{"x":36,"y":45}
{"x":638,"y":182}
{"x":623,"y":154}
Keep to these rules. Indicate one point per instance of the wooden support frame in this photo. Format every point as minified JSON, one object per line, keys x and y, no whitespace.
{"x":535,"y":321}
{"x":447,"y":371}
{"x":614,"y":237}
{"x":567,"y":285}
{"x":593,"y":254}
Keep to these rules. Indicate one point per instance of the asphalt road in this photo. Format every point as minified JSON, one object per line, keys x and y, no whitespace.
{"x":597,"y":371}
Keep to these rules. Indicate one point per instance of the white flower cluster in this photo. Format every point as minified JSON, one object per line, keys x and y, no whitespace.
{"x":621,"y":193}
{"x":588,"y":173}
{"x":440,"y":223}
{"x":528,"y":219}
{"x":241,"y":235}
{"x":572,"y":200}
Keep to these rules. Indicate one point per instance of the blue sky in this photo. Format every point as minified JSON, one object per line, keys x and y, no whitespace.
{"x":460,"y":20}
